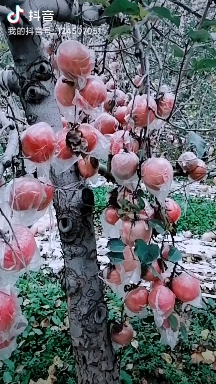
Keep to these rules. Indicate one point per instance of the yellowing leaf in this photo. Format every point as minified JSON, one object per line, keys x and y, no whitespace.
{"x":143,"y":12}
{"x":208,"y":356}
{"x":166,"y":357}
{"x":196,"y":358}
{"x":204,"y":334}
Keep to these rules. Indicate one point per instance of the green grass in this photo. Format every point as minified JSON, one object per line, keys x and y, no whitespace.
{"x":44,"y":303}
{"x":198,"y":215}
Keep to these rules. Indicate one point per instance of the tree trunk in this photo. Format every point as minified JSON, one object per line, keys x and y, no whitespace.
{"x":73,"y":202}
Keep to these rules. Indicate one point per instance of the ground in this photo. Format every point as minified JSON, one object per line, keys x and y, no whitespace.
{"x":46,"y":342}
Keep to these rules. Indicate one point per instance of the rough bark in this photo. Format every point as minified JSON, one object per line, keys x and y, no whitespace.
{"x":95,"y":358}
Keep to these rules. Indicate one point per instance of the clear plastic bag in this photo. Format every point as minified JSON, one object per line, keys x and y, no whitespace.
{"x":98,"y":144}
{"x":38,"y":143}
{"x":12,"y":322}
{"x":64,"y":157}
{"x":19,"y":254}
{"x":106,"y":123}
{"x":165,"y":105}
{"x":138,"y":108}
{"x":75,"y":61}
{"x":64,"y":92}
{"x":92,"y":96}
{"x":24,"y":193}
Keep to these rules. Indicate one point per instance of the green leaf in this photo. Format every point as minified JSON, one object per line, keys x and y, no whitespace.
{"x":141,"y":250}
{"x":116,"y":245}
{"x":118,"y":31}
{"x":10,"y":364}
{"x":26,"y":379}
{"x":157,"y":225}
{"x":105,"y":3}
{"x":211,"y":302}
{"x":209,"y":23}
{"x":154,"y":251}
{"x":199,"y":36}
{"x":183,"y":331}
{"x":125,"y":378}
{"x":124,"y":6}
{"x":56,"y":320}
{"x":173,"y":322}
{"x":7,"y":378}
{"x":204,"y":64}
{"x":146,"y":253}
{"x":174,"y":255}
{"x":140,"y":195}
{"x":164,"y":13}
{"x":198,"y":142}
{"x":177,"y":51}
{"x":143,"y":12}
{"x":38,"y":331}
{"x":115,"y":257}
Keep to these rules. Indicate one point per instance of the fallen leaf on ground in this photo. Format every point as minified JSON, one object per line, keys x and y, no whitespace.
{"x":196,"y":358}
{"x":135,"y":344}
{"x":208,"y":357}
{"x":204,"y":334}
{"x":45,"y":323}
{"x":166,"y":357}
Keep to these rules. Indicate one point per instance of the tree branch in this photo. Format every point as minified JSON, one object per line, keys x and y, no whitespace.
{"x":188,"y":59}
{"x":9,"y":81}
{"x":67,"y":12}
{"x":186,"y":8}
{"x":6,"y":158}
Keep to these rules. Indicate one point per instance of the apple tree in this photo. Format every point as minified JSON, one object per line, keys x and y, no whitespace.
{"x":115,"y":98}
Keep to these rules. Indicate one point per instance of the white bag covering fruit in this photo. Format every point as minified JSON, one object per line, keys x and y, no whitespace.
{"x":110,"y":225}
{"x":124,"y":165}
{"x":131,"y":231}
{"x":12,"y":322}
{"x":186,"y":288}
{"x":136,"y":302}
{"x":114,"y":278}
{"x":157,"y":175}
{"x":162,"y":302}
